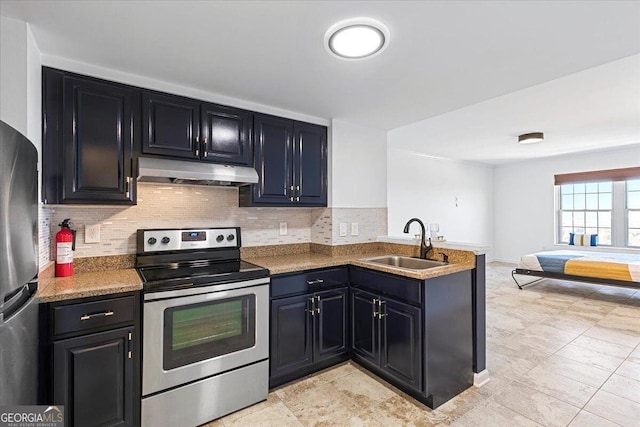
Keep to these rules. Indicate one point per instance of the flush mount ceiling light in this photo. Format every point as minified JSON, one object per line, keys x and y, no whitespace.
{"x":356,"y":38}
{"x":531,"y":138}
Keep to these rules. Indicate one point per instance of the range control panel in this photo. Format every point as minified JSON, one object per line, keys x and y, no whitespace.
{"x":188,"y":239}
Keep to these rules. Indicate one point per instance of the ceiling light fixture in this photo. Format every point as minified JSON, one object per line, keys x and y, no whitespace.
{"x":531,"y":138}
{"x":356,"y":38}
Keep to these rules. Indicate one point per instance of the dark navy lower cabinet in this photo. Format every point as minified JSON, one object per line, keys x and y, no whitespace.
{"x":418,"y":335}
{"x":387,"y":335}
{"x":92,"y":362}
{"x":309,"y":327}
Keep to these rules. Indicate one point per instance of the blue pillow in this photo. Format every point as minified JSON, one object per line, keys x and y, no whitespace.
{"x":577,"y":239}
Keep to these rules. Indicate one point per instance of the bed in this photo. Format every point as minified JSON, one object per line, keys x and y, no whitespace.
{"x":618,"y":269}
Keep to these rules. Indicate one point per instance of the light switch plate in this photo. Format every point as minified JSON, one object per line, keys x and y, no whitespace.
{"x":343,"y":229}
{"x":283,"y":228}
{"x":354,"y":228}
{"x":92,"y":233}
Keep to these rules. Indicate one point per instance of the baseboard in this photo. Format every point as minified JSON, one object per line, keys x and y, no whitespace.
{"x":481,"y":378}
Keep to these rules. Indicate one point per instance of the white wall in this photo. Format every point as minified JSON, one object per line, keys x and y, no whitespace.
{"x":524,"y":198}
{"x":13,"y":73}
{"x":427,"y":188}
{"x":358,"y":172}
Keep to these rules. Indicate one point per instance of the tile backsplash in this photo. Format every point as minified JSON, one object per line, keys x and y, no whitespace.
{"x":166,"y":206}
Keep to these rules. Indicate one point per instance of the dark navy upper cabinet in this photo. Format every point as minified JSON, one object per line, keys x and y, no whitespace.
{"x":171,"y":125}
{"x":291,"y":160}
{"x":225,"y":134}
{"x":175,"y":126}
{"x":90,"y":127}
{"x":310,"y":164}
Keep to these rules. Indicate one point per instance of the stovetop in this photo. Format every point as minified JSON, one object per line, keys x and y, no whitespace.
{"x":180,"y":258}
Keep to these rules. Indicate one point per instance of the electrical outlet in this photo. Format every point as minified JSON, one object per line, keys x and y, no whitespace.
{"x":283,"y":228}
{"x":343,"y":229}
{"x":92,"y":233}
{"x":354,"y":228}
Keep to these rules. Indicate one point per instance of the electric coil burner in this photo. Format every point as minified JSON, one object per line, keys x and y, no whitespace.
{"x":205,"y":332}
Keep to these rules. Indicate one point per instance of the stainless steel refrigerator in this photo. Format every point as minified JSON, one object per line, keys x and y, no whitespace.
{"x":18,"y":268}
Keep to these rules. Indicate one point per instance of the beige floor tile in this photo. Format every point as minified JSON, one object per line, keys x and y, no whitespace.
{"x":334,"y":373}
{"x":630,"y":370}
{"x":495,"y":385}
{"x":294,"y":389}
{"x":614,"y":336}
{"x":587,"y":419}
{"x":582,"y":372}
{"x":558,"y":386}
{"x":536,"y":406}
{"x":621,"y":322}
{"x":604,"y":347}
{"x":363,"y":389}
{"x":591,"y":357}
{"x":493,"y":414}
{"x":635,"y":356}
{"x":623,"y":387}
{"x":569,"y":323}
{"x":614,"y":408}
{"x":324,"y":405}
{"x":462,"y":403}
{"x":398,"y":411}
{"x":276,"y":415}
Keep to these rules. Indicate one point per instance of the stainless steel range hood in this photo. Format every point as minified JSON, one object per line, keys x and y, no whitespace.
{"x":194,"y":173}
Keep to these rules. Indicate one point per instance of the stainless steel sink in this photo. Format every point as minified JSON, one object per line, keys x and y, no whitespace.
{"x":405,"y":262}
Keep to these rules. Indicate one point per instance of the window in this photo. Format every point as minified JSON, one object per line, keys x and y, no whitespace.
{"x":586,"y":208}
{"x":606,"y":203}
{"x":633,"y":212}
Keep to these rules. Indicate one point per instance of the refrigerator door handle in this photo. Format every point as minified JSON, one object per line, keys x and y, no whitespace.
{"x":13,"y":304}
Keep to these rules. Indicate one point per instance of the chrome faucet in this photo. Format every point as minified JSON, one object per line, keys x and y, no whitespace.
{"x":424,"y":249}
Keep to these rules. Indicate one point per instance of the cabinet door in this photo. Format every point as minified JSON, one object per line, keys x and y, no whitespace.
{"x":225,"y":134}
{"x":171,"y":125}
{"x":97,"y":139}
{"x":364,"y":326}
{"x":330,"y":324}
{"x":310,"y":164}
{"x":93,"y":378}
{"x":401,"y":342}
{"x":291,"y":335}
{"x":273,"y":160}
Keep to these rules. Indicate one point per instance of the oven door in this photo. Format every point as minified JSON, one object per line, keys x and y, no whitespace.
{"x":195,"y":333}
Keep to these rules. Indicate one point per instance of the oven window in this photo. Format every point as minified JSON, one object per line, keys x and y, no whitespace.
{"x":205,"y":330}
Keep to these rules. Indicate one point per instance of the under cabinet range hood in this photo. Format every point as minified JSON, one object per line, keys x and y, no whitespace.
{"x":194,"y":173}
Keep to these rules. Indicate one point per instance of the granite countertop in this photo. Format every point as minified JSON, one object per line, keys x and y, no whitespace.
{"x":306,"y":261}
{"x":89,"y":284}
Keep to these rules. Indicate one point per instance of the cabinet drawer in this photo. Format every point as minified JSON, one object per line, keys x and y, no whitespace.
{"x":409,"y":290}
{"x":308,"y":281}
{"x":91,"y":315}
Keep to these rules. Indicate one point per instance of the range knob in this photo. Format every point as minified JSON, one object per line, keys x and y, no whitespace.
{"x":220,"y":238}
{"x":165,"y":240}
{"x":230,"y":237}
{"x":152,"y":241}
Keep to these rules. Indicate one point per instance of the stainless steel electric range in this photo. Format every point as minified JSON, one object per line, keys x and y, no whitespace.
{"x":205,"y":326}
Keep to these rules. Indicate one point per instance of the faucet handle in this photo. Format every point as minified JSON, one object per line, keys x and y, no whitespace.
{"x":445,"y":257}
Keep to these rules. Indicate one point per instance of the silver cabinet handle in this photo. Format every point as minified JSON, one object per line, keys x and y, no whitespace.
{"x":128,"y":187}
{"x":90,"y":316}
{"x":318,"y":304}
{"x":375,"y":307}
{"x":315,"y":282}
{"x":381,"y":314}
{"x":197,"y":146}
{"x":204,"y":148}
{"x":311,"y":310}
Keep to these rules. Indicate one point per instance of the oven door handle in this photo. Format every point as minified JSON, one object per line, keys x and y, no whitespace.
{"x":243,"y":286}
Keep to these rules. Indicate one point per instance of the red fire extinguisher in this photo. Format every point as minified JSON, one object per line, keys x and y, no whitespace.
{"x":65,"y":245}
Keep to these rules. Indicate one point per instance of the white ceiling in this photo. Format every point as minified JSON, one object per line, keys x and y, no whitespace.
{"x":443,"y":56}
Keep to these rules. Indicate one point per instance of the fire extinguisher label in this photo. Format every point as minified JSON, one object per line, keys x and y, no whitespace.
{"x":64,"y":254}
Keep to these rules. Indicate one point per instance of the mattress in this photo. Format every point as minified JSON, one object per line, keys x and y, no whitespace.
{"x":601,"y":265}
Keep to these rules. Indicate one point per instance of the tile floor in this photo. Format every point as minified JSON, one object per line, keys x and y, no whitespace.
{"x":559,"y":353}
